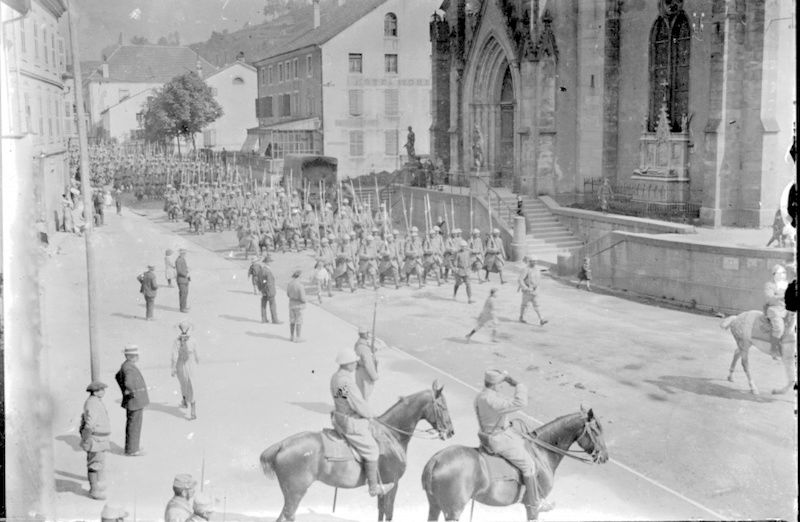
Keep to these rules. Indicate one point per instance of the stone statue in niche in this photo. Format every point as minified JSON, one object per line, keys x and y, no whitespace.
{"x":477,"y":147}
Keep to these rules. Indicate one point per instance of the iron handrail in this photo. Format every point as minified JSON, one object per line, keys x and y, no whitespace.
{"x":500,"y":205}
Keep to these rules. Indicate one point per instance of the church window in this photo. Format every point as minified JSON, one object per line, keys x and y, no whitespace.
{"x":390,"y":25}
{"x":670,"y":46}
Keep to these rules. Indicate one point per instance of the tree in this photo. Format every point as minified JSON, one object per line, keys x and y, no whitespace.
{"x":180,"y":109}
{"x":162,"y":41}
{"x":140,"y":40}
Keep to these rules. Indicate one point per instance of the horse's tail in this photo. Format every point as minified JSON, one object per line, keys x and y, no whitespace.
{"x":727,"y":322}
{"x":268,"y":459}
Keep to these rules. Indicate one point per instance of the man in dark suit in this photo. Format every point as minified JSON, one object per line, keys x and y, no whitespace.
{"x":266,"y":283}
{"x":182,"y":270}
{"x":149,"y":289}
{"x":134,"y":399}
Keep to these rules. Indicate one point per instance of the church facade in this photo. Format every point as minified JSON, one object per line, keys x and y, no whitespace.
{"x":682,"y":101}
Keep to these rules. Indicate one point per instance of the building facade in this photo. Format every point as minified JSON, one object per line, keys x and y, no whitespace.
{"x":130,"y":70}
{"x":349,"y":87}
{"x":234,"y":87}
{"x":682,"y":100}
{"x":35,"y":100}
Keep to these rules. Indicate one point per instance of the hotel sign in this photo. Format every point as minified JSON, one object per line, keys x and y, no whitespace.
{"x":355,"y":81}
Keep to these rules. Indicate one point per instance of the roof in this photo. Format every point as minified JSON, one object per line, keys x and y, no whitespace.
{"x":152,"y":63}
{"x":128,"y":99}
{"x":333,"y":20}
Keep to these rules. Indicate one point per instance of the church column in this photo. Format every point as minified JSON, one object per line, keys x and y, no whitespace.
{"x":722,"y":134}
{"x":525,"y":122}
{"x":611,"y":90}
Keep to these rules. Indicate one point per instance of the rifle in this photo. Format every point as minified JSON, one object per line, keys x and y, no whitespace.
{"x":405,"y":215}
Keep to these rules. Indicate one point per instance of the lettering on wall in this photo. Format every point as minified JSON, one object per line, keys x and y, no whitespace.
{"x":730,"y":263}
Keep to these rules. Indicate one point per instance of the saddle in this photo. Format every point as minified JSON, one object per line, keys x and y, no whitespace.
{"x":336,"y":448}
{"x":497,"y":467}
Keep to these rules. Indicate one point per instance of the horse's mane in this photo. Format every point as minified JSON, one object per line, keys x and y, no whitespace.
{"x":555,"y":424}
{"x":401,"y":401}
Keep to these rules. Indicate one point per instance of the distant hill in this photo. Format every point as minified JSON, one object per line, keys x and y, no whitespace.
{"x":101,"y":22}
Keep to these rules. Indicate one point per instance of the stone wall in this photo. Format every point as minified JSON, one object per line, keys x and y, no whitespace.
{"x":707,"y":277}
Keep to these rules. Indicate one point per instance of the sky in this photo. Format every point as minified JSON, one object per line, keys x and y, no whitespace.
{"x":101,"y":21}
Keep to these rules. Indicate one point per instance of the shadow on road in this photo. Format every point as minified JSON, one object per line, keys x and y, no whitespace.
{"x":459,"y":340}
{"x":164,"y":408}
{"x":705,"y":386}
{"x":127,"y":316}
{"x":239,"y":319}
{"x":70,"y":486}
{"x":431,"y":296}
{"x":166,"y":308}
{"x":316,"y":407}
{"x":73,"y":441}
{"x":244,"y":292}
{"x":266,"y":335}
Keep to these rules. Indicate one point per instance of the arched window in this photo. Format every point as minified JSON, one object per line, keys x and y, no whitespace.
{"x":390,"y":25}
{"x":238,"y":81}
{"x":670,"y":41}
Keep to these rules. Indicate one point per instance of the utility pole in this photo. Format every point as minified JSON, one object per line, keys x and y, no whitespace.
{"x":86,"y":187}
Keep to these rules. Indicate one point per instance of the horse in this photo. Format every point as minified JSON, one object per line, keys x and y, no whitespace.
{"x":298,"y":461}
{"x":457,"y":474}
{"x":752,"y":328}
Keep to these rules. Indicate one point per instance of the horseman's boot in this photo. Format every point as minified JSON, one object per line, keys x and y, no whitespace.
{"x":375,"y":489}
{"x":193,"y":415}
{"x":533,"y":505}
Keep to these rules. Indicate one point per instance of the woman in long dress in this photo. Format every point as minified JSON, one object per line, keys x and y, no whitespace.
{"x":184,"y":359}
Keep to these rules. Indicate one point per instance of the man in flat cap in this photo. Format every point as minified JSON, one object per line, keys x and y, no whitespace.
{"x":113,"y":514}
{"x":134,"y":399}
{"x":297,"y":303}
{"x":179,"y":508}
{"x":182,"y":277}
{"x":95,"y":430}
{"x":184,"y":359}
{"x":203,"y":509}
{"x":149,"y":289}
{"x":351,"y":417}
{"x":493,"y":410}
{"x":367,"y":369}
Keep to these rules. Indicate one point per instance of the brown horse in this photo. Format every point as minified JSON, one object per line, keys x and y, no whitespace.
{"x":298,"y":460}
{"x":457,"y":474}
{"x":752,"y":328}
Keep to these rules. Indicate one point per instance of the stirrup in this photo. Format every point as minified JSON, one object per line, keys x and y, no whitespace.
{"x":381,"y":489}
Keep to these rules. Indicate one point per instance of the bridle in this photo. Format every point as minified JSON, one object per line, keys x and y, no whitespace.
{"x":575,"y":455}
{"x":434,"y":433}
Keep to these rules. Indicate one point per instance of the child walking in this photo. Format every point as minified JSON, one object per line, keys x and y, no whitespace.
{"x":487,"y":316}
{"x":585,"y":274}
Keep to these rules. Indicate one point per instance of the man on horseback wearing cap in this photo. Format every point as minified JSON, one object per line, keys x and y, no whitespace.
{"x":496,"y":433}
{"x":351,"y":416}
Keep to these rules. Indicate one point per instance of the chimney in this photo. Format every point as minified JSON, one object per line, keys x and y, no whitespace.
{"x":104,"y":68}
{"x":199,"y":66}
{"x":316,"y":14}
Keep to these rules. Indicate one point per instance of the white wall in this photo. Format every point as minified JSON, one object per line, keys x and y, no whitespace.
{"x":238,"y":104}
{"x":105,"y":94}
{"x":366,"y":36}
{"x":120,"y":119}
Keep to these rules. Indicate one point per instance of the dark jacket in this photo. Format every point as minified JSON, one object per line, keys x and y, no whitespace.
{"x":132,"y":385}
{"x":267,"y":282}
{"x":182,"y":270}
{"x":149,"y":286}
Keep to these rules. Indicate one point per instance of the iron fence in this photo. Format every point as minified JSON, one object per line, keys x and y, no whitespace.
{"x":632,"y":199}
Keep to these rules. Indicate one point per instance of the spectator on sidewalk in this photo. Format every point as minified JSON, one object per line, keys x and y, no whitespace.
{"x":254,"y":273}
{"x":183,"y":278}
{"x":95,"y":430}
{"x":179,"y":507}
{"x":529,"y":282}
{"x":113,"y":514}
{"x":148,"y":288}
{"x":169,"y":267}
{"x":487,"y":316}
{"x":184,"y":359}
{"x":134,"y":399}
{"x":585,"y":274}
{"x":266,"y":284}
{"x":297,"y":303}
{"x":118,"y":200}
{"x":203,"y":509}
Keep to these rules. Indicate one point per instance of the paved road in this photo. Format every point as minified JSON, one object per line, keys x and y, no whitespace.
{"x":685,"y":443}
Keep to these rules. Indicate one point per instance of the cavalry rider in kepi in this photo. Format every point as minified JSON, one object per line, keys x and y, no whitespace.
{"x":493,"y":409}
{"x":351,"y":418}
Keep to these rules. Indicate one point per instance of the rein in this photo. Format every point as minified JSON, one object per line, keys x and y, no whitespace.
{"x":427,"y":434}
{"x":575,"y":455}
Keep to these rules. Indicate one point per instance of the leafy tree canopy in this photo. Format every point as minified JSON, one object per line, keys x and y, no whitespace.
{"x":180,"y":109}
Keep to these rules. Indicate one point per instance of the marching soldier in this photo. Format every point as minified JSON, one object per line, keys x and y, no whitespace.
{"x":413,"y":257}
{"x":345,"y":265}
{"x":461,"y":267}
{"x":495,"y":255}
{"x":433,"y":249}
{"x":391,"y":253}
{"x":529,"y":281}
{"x":477,"y":252}
{"x":367,"y":267}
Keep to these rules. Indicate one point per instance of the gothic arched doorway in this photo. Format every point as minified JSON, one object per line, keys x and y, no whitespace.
{"x":506,"y":153}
